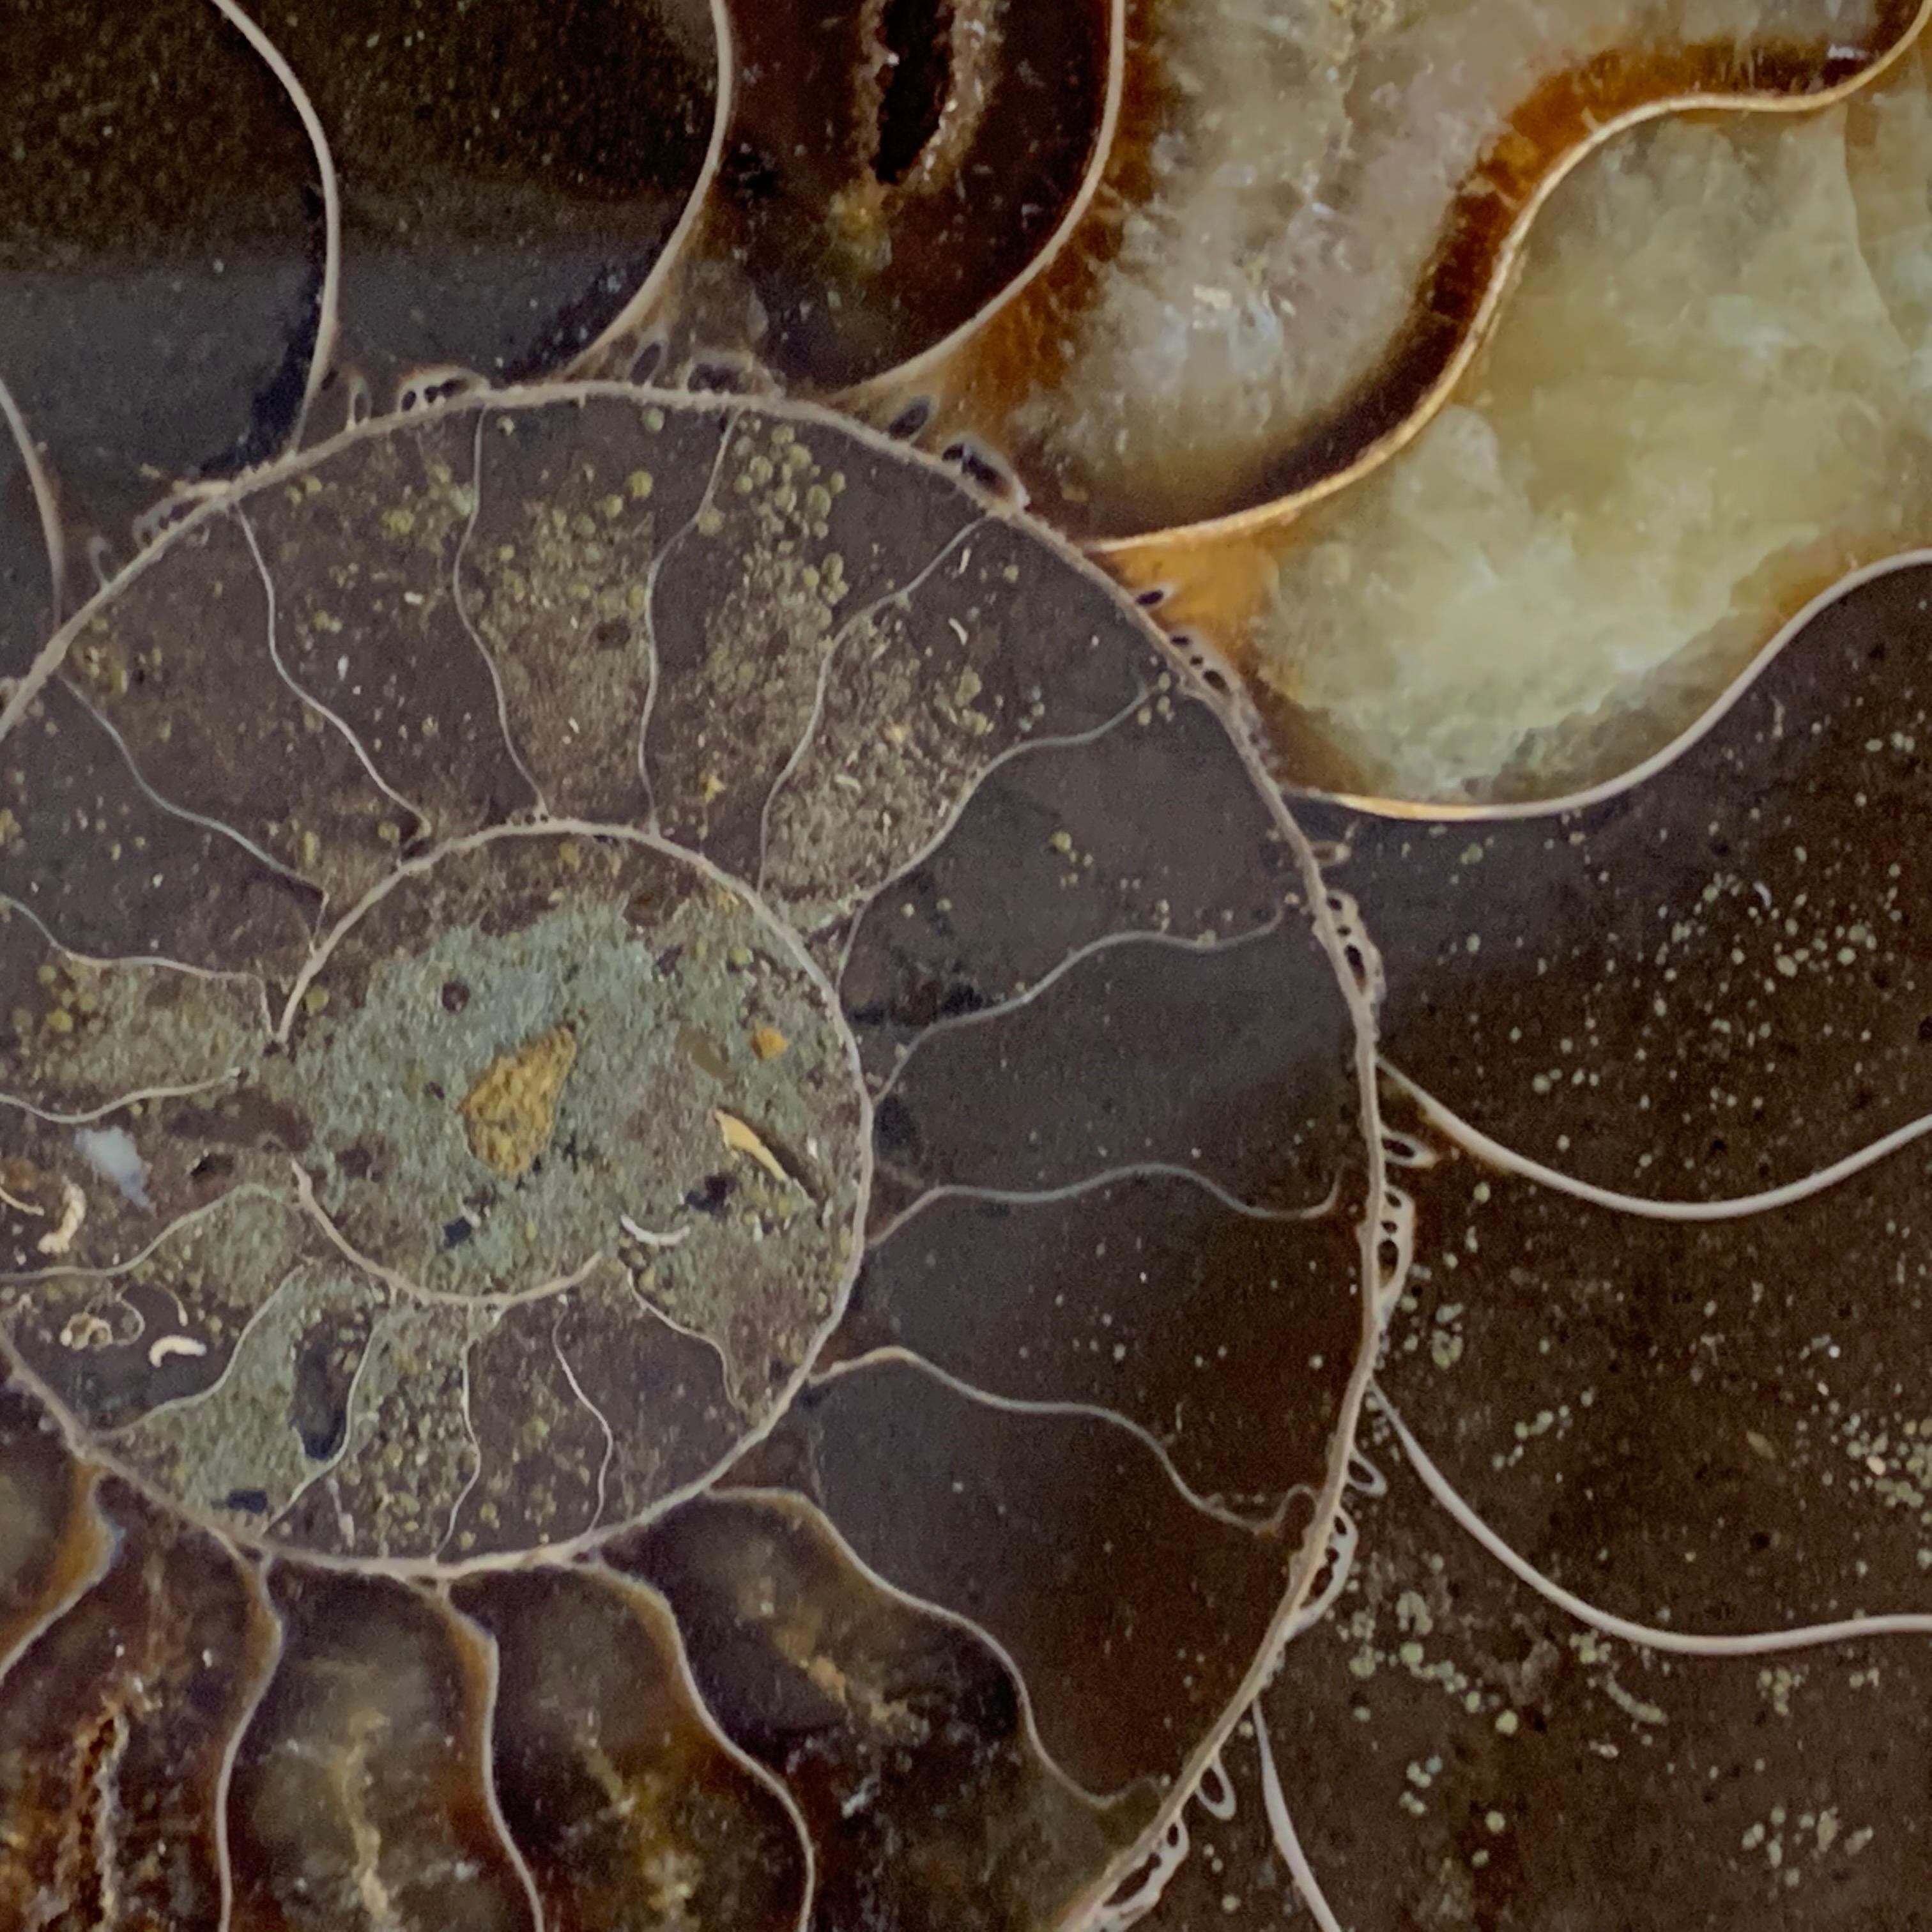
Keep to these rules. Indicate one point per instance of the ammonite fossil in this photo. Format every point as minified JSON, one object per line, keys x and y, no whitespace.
{"x":689,"y":1223}
{"x":710,"y":1213}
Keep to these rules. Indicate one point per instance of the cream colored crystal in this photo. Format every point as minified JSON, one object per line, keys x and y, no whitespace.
{"x":1711,"y":395}
{"x":1305,"y":160}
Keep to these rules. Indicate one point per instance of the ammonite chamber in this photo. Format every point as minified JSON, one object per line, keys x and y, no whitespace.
{"x":599,"y":1332}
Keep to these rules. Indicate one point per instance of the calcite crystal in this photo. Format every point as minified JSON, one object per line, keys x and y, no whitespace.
{"x":1705,"y":402}
{"x":1305,"y":218}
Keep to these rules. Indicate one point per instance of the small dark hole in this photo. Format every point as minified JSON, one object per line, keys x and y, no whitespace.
{"x":455,"y":1233}
{"x":251,"y":1502}
{"x":911,"y":419}
{"x":455,"y":996}
{"x":750,"y":174}
{"x":212,"y":1167}
{"x":710,"y":1199}
{"x":610,"y":635}
{"x":718,"y":379}
{"x":979,"y":467}
{"x":917,"y":33}
{"x":645,"y":366}
{"x":1147,"y":599}
{"x":357,"y":1161}
{"x":962,"y":997}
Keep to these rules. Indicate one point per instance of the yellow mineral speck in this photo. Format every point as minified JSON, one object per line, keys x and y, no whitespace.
{"x":613,"y":507}
{"x":10,"y":828}
{"x":60,"y":1020}
{"x":741,"y":1138}
{"x":710,"y":786}
{"x":400,"y":523}
{"x":511,"y":1111}
{"x":767,"y":1042}
{"x":86,"y":1331}
{"x":73,"y":1212}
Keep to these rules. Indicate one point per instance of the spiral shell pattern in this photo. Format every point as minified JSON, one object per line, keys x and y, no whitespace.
{"x":601,"y":1331}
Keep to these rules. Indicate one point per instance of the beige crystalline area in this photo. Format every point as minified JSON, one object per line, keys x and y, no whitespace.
{"x":1305,"y":159}
{"x":1710,"y":396}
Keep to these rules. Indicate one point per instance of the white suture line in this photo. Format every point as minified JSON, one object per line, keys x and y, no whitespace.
{"x":660,"y":556}
{"x":1222,"y":1804}
{"x":328,"y":304}
{"x":470,"y":630}
{"x":45,"y":503}
{"x":597,"y":1415}
{"x":896,"y":1355}
{"x":1682,"y":1643}
{"x":1168,"y":1855}
{"x":1343,"y":1538}
{"x":470,"y":1436}
{"x":1281,"y":1827}
{"x":1210,"y":946}
{"x":1092,"y":1184}
{"x":271,"y":640}
{"x":1474,"y":1141}
{"x":649,"y":1238}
